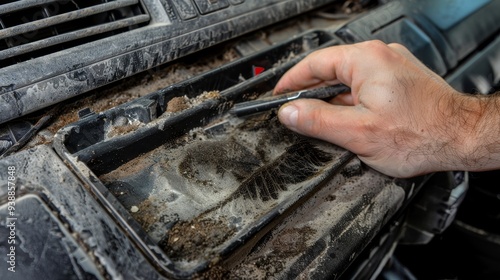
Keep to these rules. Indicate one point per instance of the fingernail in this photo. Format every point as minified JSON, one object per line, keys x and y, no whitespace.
{"x":288,"y":115}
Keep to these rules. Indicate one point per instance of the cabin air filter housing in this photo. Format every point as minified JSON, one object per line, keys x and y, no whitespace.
{"x":53,"y":50}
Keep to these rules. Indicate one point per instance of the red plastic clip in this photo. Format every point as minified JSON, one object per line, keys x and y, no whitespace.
{"x":256,"y":70}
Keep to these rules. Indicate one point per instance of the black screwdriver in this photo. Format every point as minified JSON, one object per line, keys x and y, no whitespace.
{"x":268,"y":103}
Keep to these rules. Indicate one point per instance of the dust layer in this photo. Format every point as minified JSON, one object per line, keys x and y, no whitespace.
{"x":224,"y":156}
{"x":299,"y":162}
{"x":188,"y":240}
{"x":205,"y":189}
{"x":292,"y":242}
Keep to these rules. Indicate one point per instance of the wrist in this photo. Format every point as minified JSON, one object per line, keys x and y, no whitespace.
{"x":474,"y":132}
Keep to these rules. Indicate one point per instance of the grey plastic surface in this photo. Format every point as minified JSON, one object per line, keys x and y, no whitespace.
{"x":481,"y":73}
{"x":439,"y":33}
{"x":43,"y":247}
{"x":415,"y":39}
{"x":59,"y":216}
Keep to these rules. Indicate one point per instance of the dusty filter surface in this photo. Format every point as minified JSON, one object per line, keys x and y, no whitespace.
{"x":196,"y":195}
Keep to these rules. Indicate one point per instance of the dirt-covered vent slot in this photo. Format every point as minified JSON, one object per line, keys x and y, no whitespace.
{"x":33,"y":28}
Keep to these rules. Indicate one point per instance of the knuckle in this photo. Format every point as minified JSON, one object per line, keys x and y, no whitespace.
{"x":396,"y":46}
{"x":375,"y":44}
{"x":399,"y":48}
{"x":378,"y":49}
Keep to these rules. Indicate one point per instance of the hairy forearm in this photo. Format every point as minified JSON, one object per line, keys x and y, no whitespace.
{"x":476,"y":131}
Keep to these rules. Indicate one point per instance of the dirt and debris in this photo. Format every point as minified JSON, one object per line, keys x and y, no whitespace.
{"x":198,"y":169}
{"x":181,"y":103}
{"x":298,"y":163}
{"x":216,"y":272}
{"x":205,"y":171}
{"x":110,"y":96}
{"x":292,"y":241}
{"x":330,"y":197}
{"x":118,"y":130}
{"x":208,"y":95}
{"x":130,"y":168}
{"x":177,"y":104}
{"x":226,"y":156}
{"x":189,"y":240}
{"x":147,"y":217}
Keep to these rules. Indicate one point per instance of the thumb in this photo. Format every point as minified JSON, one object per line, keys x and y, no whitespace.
{"x":318,"y":119}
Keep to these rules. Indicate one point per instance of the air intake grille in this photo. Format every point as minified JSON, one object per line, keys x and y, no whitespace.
{"x":33,"y":28}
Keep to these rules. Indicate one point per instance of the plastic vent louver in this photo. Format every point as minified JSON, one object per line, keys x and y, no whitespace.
{"x":33,"y":28}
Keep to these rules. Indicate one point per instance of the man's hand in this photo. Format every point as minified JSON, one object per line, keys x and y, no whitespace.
{"x":400,"y":118}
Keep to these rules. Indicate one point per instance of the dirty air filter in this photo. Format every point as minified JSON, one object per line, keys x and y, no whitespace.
{"x":34,"y":28}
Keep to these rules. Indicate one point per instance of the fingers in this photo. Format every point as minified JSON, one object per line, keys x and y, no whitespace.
{"x":349,"y":64}
{"x":391,"y":123}
{"x":317,"y":69}
{"x":320,"y":119}
{"x":344,"y":99}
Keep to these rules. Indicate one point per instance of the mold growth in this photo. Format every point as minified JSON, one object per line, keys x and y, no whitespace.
{"x":202,"y":192}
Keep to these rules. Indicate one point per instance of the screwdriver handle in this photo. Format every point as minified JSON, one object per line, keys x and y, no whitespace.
{"x":268,"y":103}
